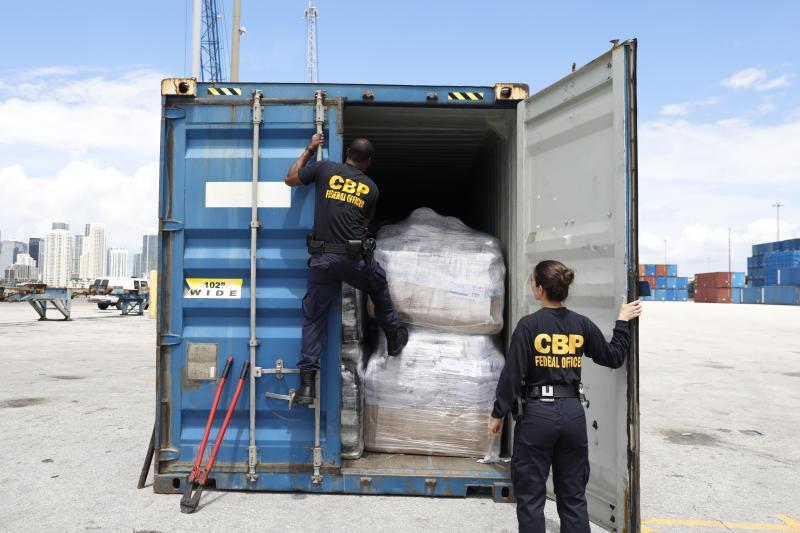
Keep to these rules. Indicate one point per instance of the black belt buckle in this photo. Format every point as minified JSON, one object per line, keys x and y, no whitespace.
{"x":546,"y":393}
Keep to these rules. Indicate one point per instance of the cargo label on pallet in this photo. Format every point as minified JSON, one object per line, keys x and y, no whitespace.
{"x":222,"y":288}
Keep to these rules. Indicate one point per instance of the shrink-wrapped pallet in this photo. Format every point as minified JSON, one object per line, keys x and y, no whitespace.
{"x":435,"y":398}
{"x":351,"y":356}
{"x":443,"y":274}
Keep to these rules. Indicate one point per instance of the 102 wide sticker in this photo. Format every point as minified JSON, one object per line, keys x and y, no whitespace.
{"x":220,"y":288}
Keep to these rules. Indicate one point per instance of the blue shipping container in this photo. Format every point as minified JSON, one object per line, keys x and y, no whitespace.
{"x":789,"y":245}
{"x":737,"y":279}
{"x":660,"y":295}
{"x":661,"y":282}
{"x":681,"y":295}
{"x":736,"y":295}
{"x":787,"y":259}
{"x":682,"y":283}
{"x":788,"y":276}
{"x":753,"y":295}
{"x":785,"y":295}
{"x":672,"y":295}
{"x":649,"y":270}
{"x":232,"y":275}
{"x":672,"y":270}
{"x":672,"y":283}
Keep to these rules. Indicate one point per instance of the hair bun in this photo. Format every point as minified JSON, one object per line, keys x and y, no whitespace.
{"x":568,"y":276}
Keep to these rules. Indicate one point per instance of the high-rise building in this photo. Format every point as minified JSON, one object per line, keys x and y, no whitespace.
{"x":60,"y":225}
{"x":117,"y":263}
{"x":150,"y":253}
{"x":86,"y":229}
{"x":9,"y":250}
{"x":36,"y":250}
{"x":138,"y":271}
{"x":94,"y":248}
{"x":57,"y":258}
{"x":77,"y":251}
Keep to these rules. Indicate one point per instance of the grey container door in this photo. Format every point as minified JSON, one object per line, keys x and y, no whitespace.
{"x":576,"y":202}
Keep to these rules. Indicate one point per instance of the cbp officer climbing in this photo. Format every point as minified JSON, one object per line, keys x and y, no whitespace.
{"x":340,"y":250}
{"x":541,"y":380}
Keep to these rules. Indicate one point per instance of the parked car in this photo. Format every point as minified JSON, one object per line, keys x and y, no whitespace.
{"x":100,"y":290}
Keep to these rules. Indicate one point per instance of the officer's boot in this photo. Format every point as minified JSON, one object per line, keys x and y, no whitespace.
{"x":396,"y":340}
{"x":308,"y":384}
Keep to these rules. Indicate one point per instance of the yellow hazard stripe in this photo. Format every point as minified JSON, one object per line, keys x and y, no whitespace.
{"x":225,"y":91}
{"x":465,"y":95}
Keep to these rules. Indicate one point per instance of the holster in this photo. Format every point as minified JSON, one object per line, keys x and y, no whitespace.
{"x":368,"y":251}
{"x":518,"y":409}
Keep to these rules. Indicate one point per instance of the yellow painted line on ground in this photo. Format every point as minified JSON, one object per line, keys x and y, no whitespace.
{"x":789,"y":524}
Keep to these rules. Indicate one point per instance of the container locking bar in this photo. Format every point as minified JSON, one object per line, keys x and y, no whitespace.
{"x":279,"y":371}
{"x":319,"y":116}
{"x":252,"y":451}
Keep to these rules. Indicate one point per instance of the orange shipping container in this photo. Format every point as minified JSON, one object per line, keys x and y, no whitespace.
{"x":661,"y":270}
{"x":641,"y":271}
{"x":713,"y":280}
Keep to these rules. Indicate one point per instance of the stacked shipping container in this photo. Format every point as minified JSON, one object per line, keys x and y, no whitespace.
{"x":719,"y":287}
{"x":773,"y":273}
{"x":665,"y":285}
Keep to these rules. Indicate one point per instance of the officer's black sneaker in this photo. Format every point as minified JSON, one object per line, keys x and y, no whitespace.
{"x":308,"y":383}
{"x":396,"y":340}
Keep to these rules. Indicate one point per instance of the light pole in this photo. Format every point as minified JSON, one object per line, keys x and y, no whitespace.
{"x":777,"y":207}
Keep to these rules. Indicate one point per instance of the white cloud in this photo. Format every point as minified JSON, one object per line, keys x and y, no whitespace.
{"x":731,"y":151}
{"x":82,"y":192}
{"x":83,"y":114}
{"x":696,"y":179}
{"x":79,"y":145}
{"x":702,"y":248}
{"x":774,"y":83}
{"x":754,"y":78}
{"x":683,"y":108}
{"x":745,"y":78}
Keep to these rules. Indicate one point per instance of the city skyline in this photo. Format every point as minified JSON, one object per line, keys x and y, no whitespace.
{"x":62,"y":256}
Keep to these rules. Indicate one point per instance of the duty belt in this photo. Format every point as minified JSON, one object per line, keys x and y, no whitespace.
{"x":547,"y":393}
{"x":355,"y":248}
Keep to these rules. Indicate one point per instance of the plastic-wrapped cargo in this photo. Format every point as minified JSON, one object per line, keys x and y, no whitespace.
{"x":443,"y":274}
{"x":352,"y":406}
{"x":351,"y":355}
{"x":436,"y":397}
{"x":352,"y":314}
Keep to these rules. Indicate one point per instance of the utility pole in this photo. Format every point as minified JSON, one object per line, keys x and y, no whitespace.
{"x":777,"y":207}
{"x":236,"y":33}
{"x":311,"y":16}
{"x":729,"y":251}
{"x":665,"y":251}
{"x":196,"y":16}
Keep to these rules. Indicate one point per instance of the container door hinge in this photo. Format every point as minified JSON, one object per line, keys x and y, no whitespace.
{"x":168,"y":339}
{"x":316,"y":479}
{"x":168,"y":454}
{"x":171,"y":225}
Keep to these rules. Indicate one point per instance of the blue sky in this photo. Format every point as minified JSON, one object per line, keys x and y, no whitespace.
{"x":719,"y":108}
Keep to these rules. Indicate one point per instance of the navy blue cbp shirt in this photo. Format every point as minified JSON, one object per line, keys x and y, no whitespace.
{"x":546,"y":349}
{"x":345,"y":197}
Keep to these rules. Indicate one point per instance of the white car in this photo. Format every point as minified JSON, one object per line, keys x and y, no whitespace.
{"x":100,"y":290}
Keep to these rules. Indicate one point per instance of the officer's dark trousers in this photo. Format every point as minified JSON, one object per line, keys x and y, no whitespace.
{"x":551,"y":433}
{"x":325,"y":276}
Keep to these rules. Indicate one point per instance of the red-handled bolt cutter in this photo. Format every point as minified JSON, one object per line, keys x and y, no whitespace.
{"x":198,"y":477}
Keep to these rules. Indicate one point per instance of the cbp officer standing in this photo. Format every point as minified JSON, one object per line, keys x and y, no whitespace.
{"x":544,"y":364}
{"x":340,"y":250}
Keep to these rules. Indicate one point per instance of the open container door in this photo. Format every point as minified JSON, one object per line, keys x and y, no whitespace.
{"x":575,"y":202}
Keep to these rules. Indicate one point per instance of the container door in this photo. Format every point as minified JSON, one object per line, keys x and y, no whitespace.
{"x":575,"y":202}
{"x":205,"y":289}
